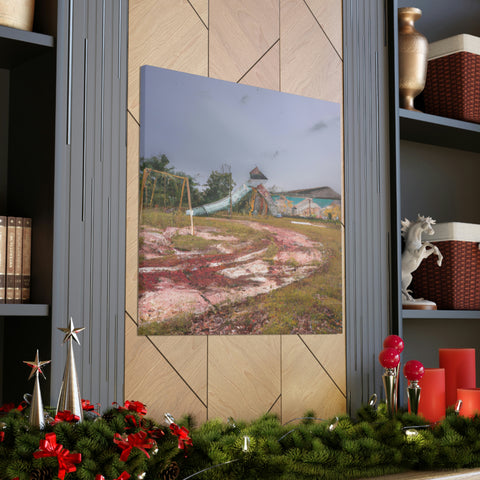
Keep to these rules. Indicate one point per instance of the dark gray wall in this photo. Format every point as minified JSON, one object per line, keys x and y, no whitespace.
{"x":367,"y":194}
{"x":90,"y":187}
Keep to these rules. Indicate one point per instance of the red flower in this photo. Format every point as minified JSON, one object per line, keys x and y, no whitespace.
{"x":65,"y":416}
{"x":123,"y":476}
{"x":138,"y":407}
{"x":22,"y":405}
{"x":66,"y":460}
{"x":88,"y":407}
{"x":132,"y":419}
{"x":182,"y":434}
{"x":138,"y":440}
{"x":133,"y":406}
{"x":6,"y":407}
{"x":156,"y":433}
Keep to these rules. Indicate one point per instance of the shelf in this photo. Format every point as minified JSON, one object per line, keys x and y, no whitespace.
{"x":23,"y":310}
{"x":443,"y":132}
{"x":17,"y":46}
{"x":439,"y":314}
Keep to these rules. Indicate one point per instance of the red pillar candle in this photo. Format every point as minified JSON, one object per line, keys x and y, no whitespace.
{"x":432,"y":396}
{"x":470,"y":398}
{"x":459,"y":365}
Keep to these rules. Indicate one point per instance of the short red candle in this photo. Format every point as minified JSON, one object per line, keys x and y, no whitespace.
{"x":459,"y":365}
{"x":432,"y":396}
{"x":470,"y":398}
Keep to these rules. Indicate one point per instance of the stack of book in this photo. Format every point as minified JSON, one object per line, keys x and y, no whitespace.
{"x":15,"y":259}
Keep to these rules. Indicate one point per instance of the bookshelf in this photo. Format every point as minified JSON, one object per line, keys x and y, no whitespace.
{"x":435,"y":164}
{"x":24,"y":310}
{"x":63,"y":164}
{"x":18,"y":46}
{"x":27,"y":159}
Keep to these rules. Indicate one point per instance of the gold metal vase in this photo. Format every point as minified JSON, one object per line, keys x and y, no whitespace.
{"x":412,"y":57}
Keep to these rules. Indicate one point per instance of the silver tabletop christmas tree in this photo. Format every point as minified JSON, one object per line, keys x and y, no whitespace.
{"x":37,"y":417}
{"x":70,"y":398}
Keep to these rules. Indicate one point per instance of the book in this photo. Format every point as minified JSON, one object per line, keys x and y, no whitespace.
{"x":27,"y":259}
{"x":18,"y":259}
{"x":3,"y":254}
{"x":10,"y":262}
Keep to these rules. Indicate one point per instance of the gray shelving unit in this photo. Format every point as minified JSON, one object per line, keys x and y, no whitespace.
{"x":18,"y":46}
{"x":63,"y":163}
{"x":27,"y":126}
{"x":443,"y":132}
{"x":435,"y":165}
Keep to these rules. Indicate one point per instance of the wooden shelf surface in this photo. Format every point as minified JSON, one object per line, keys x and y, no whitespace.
{"x":443,"y":132}
{"x":17,"y":46}
{"x":23,"y":310}
{"x":438,"y":314}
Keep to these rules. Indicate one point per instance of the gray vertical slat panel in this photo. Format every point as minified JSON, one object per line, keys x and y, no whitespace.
{"x":120,"y":217}
{"x":60,"y":213}
{"x":68,"y":190}
{"x":367,"y":196}
{"x":89,"y":270}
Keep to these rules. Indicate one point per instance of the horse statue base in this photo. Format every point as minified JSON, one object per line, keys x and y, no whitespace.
{"x":419,"y":304}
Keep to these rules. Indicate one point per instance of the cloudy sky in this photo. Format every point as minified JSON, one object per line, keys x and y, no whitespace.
{"x":201,"y":124}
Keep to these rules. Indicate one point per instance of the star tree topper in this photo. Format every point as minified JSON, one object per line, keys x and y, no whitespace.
{"x":36,"y":366}
{"x":71,"y":331}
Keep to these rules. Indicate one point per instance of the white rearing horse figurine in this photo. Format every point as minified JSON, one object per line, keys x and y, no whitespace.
{"x":415,"y":251}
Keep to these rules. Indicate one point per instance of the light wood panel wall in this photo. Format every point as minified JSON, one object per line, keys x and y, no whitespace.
{"x":293,"y":46}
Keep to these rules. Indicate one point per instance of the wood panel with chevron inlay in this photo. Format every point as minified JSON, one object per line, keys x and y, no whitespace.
{"x":293,"y":46}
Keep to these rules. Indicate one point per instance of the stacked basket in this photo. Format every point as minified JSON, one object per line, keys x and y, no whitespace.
{"x":452,"y":88}
{"x":456,"y":284}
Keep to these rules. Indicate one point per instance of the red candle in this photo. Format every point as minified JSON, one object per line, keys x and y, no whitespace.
{"x":470,"y":398}
{"x":432,"y":396}
{"x":459,"y":365}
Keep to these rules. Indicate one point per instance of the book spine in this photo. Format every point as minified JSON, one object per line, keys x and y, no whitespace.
{"x":18,"y":259}
{"x":3,"y":255}
{"x":10,"y":262}
{"x":27,"y":259}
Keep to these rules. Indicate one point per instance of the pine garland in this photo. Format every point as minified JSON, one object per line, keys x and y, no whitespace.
{"x":370,"y":445}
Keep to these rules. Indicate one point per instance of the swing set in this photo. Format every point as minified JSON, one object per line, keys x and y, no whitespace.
{"x":148,"y":172}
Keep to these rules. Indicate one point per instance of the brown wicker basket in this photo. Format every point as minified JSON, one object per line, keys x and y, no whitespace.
{"x":456,"y":284}
{"x":452,"y":88}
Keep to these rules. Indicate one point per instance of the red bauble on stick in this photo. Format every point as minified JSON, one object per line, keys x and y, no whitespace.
{"x":413,"y":370}
{"x":394,"y":341}
{"x":389,"y":357}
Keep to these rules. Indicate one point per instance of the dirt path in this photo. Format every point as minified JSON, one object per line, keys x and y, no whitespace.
{"x":175,"y":282}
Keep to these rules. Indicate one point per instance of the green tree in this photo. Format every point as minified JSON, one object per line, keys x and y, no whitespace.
{"x":219,"y":184}
{"x":155,"y":163}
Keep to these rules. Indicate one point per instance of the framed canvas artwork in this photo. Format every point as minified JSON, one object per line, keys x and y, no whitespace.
{"x":240,"y":209}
